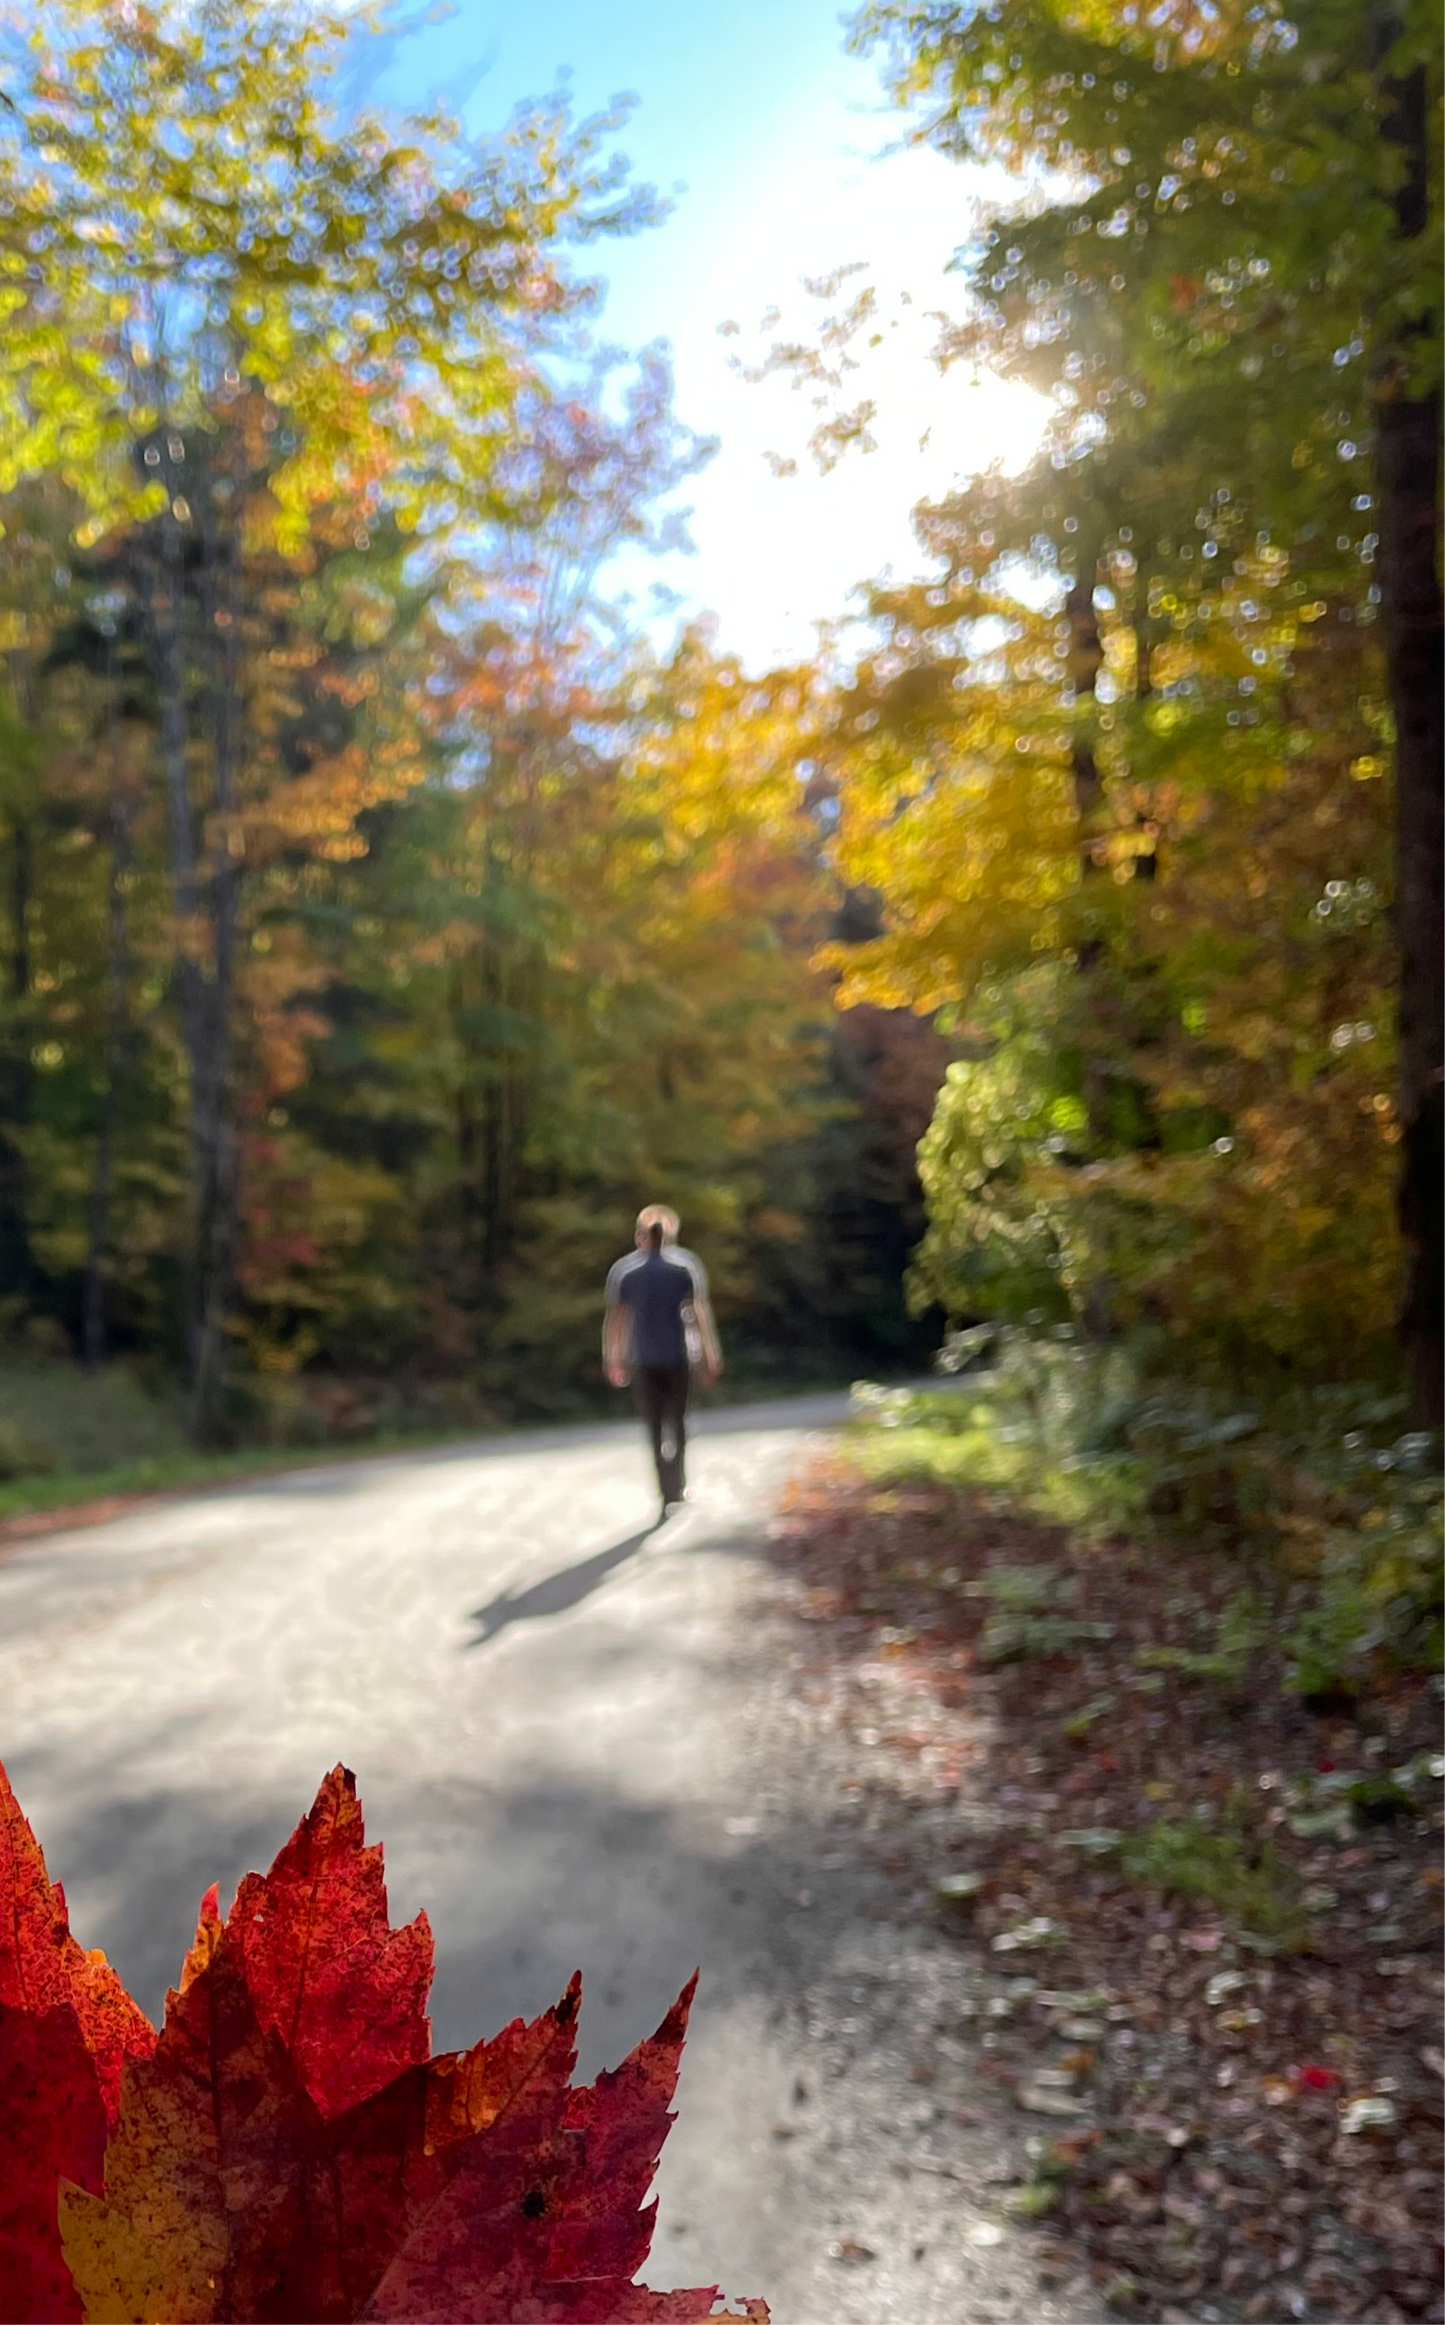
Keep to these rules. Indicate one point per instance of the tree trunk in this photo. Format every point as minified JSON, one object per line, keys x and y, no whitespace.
{"x":218,"y":1139}
{"x":97,"y":1243}
{"x":16,"y":1266}
{"x":207,"y":904}
{"x":164,"y":591}
{"x":1086,"y":654}
{"x":1408,"y":478}
{"x":1146,"y":863}
{"x":494,"y":1087}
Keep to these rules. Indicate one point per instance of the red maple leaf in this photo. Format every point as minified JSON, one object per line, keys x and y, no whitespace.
{"x":287,"y":2149}
{"x":43,"y":1968}
{"x":603,"y":2232}
{"x":345,"y":1992}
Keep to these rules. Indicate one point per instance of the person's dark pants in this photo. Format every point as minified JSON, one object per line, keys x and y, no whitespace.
{"x":662,"y":1400}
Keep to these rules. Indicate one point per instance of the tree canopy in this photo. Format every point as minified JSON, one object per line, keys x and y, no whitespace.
{"x":1128,"y":776}
{"x":385,"y":913}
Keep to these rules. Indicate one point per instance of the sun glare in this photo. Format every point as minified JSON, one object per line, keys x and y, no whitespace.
{"x":899,"y":220}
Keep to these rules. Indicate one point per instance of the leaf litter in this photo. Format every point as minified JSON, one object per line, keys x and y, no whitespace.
{"x":1236,"y":2030}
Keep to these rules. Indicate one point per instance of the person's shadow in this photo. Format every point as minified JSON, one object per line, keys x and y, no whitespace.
{"x":556,"y":1592}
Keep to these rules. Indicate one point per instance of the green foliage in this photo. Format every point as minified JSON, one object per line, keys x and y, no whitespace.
{"x":1119,"y":774}
{"x":1337,"y":1516}
{"x":1377,"y":1598}
{"x":20,"y":1455}
{"x":996,"y":1245}
{"x":1079,"y":1723}
{"x":1036,"y":2199}
{"x":1045,"y":1420}
{"x":56,"y":1419}
{"x":1332,"y":1643}
{"x":1024,"y":1622}
{"x":1229,"y":1864}
{"x":1239,"y":1631}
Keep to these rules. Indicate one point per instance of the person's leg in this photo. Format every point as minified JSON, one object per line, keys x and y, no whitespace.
{"x":651,"y":1381}
{"x":674,"y":1430}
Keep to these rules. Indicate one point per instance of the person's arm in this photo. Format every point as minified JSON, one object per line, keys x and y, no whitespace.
{"x":712,"y":1362}
{"x":710,"y":1353}
{"x":616,"y":1344}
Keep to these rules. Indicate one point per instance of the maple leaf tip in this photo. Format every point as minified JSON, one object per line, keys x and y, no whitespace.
{"x":209,"y":1926}
{"x":336,"y":1791}
{"x":677,"y":2018}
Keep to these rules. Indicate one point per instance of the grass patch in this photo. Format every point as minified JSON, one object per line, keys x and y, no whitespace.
{"x":69,"y":1437}
{"x":31,"y":1496}
{"x":961,"y":1439}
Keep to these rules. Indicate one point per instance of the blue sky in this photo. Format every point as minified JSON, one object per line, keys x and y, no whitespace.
{"x":768,"y":136}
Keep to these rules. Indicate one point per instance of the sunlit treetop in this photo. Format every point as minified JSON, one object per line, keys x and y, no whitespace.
{"x":184,"y":206}
{"x":1203,"y":127}
{"x":1200,"y":269}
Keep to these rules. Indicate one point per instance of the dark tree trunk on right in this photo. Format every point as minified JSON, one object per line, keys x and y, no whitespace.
{"x":1407,"y":423}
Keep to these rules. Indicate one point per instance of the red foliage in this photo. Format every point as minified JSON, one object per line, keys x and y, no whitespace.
{"x":286,"y":2148}
{"x":67,"y":2026}
{"x":345,"y":1992}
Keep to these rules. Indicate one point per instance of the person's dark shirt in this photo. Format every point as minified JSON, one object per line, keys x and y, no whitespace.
{"x":655,"y":1287}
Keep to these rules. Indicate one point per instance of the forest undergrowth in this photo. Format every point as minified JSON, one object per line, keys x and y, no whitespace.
{"x":1141,"y":1700}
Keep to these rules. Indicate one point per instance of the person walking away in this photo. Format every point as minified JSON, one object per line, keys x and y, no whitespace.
{"x":658,"y":1330}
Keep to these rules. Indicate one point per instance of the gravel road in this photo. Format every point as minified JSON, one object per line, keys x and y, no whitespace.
{"x":576,"y":1735}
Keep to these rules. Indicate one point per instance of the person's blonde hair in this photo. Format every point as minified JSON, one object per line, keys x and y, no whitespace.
{"x":658,"y":1215}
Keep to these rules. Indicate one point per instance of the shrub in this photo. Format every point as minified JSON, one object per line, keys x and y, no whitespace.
{"x":1242,"y":1873}
{"x":1315,"y":1487}
{"x":1024,"y":1623}
{"x":54,"y":1417}
{"x":20,"y":1455}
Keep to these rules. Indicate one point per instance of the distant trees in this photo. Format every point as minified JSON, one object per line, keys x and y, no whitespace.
{"x":380,"y":920}
{"x":253,"y":339}
{"x":379,"y":913}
